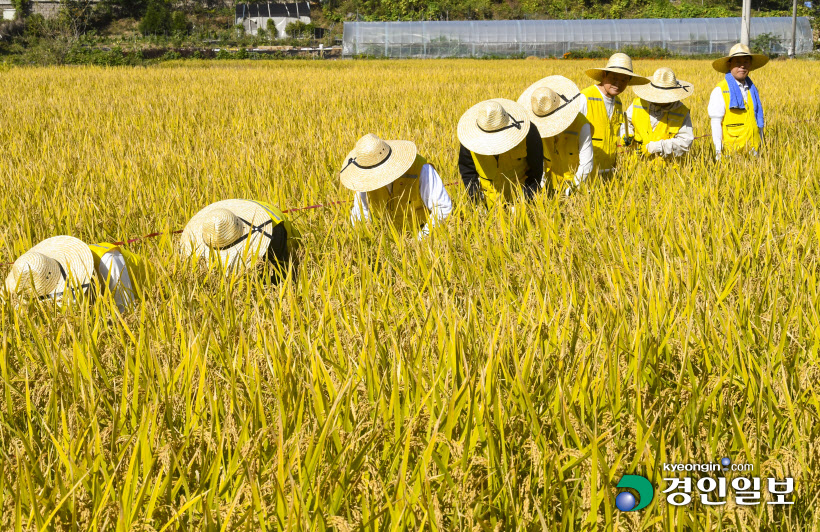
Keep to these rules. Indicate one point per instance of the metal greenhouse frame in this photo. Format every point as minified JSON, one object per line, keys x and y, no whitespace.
{"x":553,"y":38}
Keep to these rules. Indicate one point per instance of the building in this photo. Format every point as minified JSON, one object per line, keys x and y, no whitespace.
{"x":256,"y":16}
{"x":47,"y":8}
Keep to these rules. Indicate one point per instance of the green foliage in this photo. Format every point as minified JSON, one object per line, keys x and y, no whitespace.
{"x":766,"y":43}
{"x":299,"y":30}
{"x":223,"y":54}
{"x":179,"y":23}
{"x":157,"y":19}
{"x":21,"y":7}
{"x":635,"y":52}
{"x":274,"y":33}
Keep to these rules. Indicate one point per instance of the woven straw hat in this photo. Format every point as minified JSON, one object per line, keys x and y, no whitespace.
{"x":664,"y":87}
{"x":52,"y":267}
{"x":620,"y":64}
{"x":552,"y":104}
{"x":235,"y":232}
{"x":739,"y":50}
{"x":493,"y":127}
{"x":374,"y":163}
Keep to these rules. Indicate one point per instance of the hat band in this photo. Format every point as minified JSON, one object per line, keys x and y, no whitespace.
{"x":352,"y":161}
{"x":65,"y":277}
{"x":622,"y":68}
{"x":254,"y":229}
{"x":566,"y":102}
{"x":678,"y":86}
{"x":515,"y":123}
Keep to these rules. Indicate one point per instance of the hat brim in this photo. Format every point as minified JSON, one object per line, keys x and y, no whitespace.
{"x":74,"y":256}
{"x":496,"y":142}
{"x":598,"y":75}
{"x":722,"y":64}
{"x":557,"y":121}
{"x":241,"y":255}
{"x":654,"y":94}
{"x":402,"y":156}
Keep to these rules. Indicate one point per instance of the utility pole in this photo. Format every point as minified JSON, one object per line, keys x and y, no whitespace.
{"x":793,"y":48}
{"x":745,"y":24}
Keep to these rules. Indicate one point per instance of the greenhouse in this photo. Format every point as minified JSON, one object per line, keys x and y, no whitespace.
{"x":554,"y":38}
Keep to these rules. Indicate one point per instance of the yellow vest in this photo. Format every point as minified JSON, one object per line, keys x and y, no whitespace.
{"x":561,"y":158}
{"x":403,"y":206}
{"x":294,"y":236}
{"x":739,"y":125}
{"x":501,"y":175}
{"x":668,"y":126}
{"x":139,"y":270}
{"x":607,"y":129}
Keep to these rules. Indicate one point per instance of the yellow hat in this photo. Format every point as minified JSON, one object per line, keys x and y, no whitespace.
{"x":618,"y":63}
{"x":739,"y":50}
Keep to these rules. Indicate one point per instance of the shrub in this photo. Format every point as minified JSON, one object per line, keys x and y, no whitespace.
{"x":157,"y":19}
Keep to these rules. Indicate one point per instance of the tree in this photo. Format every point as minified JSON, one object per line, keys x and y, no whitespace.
{"x":157,"y":18}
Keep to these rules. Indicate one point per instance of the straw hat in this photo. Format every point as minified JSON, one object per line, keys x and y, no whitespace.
{"x":664,"y":87}
{"x":620,"y":64}
{"x":493,"y":127}
{"x":552,"y":104}
{"x":45,"y":270}
{"x":234,"y":231}
{"x":739,"y":50}
{"x":374,"y":163}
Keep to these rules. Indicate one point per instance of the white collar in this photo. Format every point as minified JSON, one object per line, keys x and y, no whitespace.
{"x":606,"y":97}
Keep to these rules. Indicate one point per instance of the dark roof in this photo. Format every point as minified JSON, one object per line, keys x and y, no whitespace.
{"x":273,"y":10}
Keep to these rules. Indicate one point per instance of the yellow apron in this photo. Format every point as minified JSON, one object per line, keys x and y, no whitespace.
{"x":403,"y":206}
{"x":607,"y":129}
{"x":739,"y":125}
{"x":501,"y":176}
{"x":667,"y":127}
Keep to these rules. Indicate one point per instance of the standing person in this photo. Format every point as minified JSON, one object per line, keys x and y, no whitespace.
{"x":553,"y":106}
{"x":658,"y":120}
{"x":62,"y":264}
{"x":500,"y":154}
{"x":392,"y":181}
{"x":603,"y":108}
{"x":237,"y":232}
{"x":734,"y":106}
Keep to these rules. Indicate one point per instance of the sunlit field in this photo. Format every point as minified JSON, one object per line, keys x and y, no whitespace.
{"x":503,"y":374}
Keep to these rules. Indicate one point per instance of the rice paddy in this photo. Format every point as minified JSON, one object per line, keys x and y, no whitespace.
{"x":502,"y":374}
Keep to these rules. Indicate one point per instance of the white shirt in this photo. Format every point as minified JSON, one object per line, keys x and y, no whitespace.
{"x":433,"y":195}
{"x":114,"y":271}
{"x":667,"y":147}
{"x":717,"y":110}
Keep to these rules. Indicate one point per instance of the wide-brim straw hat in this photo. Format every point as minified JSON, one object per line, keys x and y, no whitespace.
{"x":552,"y":104}
{"x":52,"y":267}
{"x":235,"y":232}
{"x":620,"y":64}
{"x":374,"y":163}
{"x":493,"y":127}
{"x":664,"y":87}
{"x":739,"y":50}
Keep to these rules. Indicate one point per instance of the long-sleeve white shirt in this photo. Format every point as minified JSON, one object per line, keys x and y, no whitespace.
{"x":433,"y":195}
{"x":609,"y":105}
{"x":717,"y":110}
{"x":676,"y":146}
{"x":115,"y":273}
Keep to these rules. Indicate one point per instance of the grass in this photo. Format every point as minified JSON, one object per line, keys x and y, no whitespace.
{"x":501,"y":375}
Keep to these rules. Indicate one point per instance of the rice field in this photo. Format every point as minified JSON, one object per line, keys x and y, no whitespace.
{"x":501,"y":375}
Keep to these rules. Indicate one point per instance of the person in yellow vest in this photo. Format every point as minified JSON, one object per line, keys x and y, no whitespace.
{"x":501,"y":154}
{"x":657,"y":121}
{"x":237,"y":232}
{"x":603,"y":108}
{"x":734,"y":105}
{"x":64,"y":264}
{"x":553,"y":105}
{"x":392,"y":182}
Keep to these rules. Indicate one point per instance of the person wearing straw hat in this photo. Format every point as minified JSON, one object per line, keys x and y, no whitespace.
{"x":237,"y":232}
{"x":64,"y":264}
{"x":734,"y":105}
{"x":500,"y":152}
{"x":603,"y":108}
{"x":657,"y":121}
{"x":391,"y":181}
{"x":553,"y":106}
